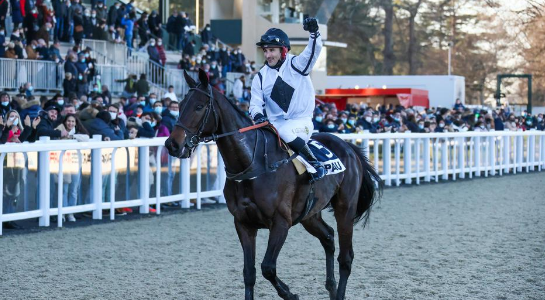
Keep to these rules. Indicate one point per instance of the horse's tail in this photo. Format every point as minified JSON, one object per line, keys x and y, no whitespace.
{"x":371,"y":188}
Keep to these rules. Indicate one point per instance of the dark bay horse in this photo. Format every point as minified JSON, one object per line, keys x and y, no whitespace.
{"x":260,"y":198}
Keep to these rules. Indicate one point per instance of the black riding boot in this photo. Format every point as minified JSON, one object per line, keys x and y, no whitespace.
{"x":309,"y":156}
{"x":300,"y":147}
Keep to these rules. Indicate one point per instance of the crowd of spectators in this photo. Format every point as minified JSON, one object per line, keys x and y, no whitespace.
{"x":381,"y":119}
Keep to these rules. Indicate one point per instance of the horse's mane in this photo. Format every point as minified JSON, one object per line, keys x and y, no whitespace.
{"x":241,"y":113}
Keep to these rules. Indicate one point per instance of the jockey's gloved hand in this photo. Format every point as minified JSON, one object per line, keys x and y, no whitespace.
{"x":259,"y":118}
{"x":310,"y":25}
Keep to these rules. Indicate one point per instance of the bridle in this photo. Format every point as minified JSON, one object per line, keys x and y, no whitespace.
{"x":192,"y":140}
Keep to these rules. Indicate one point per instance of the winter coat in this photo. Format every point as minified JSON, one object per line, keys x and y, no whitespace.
{"x":142,"y":87}
{"x":98,"y":126}
{"x":47,"y":128}
{"x":31,"y":108}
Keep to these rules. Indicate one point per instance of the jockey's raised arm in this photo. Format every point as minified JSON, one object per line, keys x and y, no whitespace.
{"x":305,"y":61}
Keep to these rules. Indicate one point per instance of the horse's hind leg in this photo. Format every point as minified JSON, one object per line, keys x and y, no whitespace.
{"x":277,"y":237}
{"x":319,"y":228}
{"x":345,"y":229}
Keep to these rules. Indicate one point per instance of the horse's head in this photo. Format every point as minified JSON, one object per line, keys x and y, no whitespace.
{"x":197,"y":118}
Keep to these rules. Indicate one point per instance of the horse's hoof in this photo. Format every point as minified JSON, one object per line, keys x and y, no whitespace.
{"x":294,"y":297}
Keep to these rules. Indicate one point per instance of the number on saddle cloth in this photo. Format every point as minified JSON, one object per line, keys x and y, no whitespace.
{"x":330,"y":161}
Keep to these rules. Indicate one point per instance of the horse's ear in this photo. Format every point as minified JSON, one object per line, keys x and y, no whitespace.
{"x":203,"y":78}
{"x":190,"y":81}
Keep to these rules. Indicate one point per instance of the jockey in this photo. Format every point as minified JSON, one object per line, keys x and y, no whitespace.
{"x":284,"y":89}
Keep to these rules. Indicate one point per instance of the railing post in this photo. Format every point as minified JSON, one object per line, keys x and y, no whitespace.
{"x":60,"y":180}
{"x":417,"y":159}
{"x":199,"y":175}
{"x":427,"y":159}
{"x":158,"y":180}
{"x":492,"y":155}
{"x":444,"y":158}
{"x":532,"y":150}
{"x":376,"y":147}
{"x":185,"y":175}
{"x":143,"y":178}
{"x":2,"y":157}
{"x":96,"y":178}
{"x":44,"y":184}
{"x":477,"y":150}
{"x":436,"y":159}
{"x":506,"y":153}
{"x":397,"y":157}
{"x":541,"y":152}
{"x":386,"y":156}
{"x":520,"y":151}
{"x":112,"y":185}
{"x":461,"y":156}
{"x":407,"y":160}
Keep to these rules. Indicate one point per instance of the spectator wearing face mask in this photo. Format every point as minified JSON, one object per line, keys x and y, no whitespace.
{"x":5,"y":104}
{"x":102,"y":125}
{"x":159,"y":129}
{"x":540,"y":122}
{"x":350,"y":126}
{"x":441,"y":127}
{"x":317,"y":121}
{"x":480,"y":126}
{"x":148,"y":126}
{"x":528,"y":123}
{"x":330,"y":126}
{"x":366,"y":123}
{"x":162,"y":53}
{"x":17,"y":131}
{"x":114,"y":112}
{"x":170,"y":115}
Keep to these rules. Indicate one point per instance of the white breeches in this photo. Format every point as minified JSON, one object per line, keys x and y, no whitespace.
{"x":289,"y":130}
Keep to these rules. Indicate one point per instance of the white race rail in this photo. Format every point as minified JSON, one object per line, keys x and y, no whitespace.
{"x":44,"y":148}
{"x":400,"y":157}
{"x":413,"y":157}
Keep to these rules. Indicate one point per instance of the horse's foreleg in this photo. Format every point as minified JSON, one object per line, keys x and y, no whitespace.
{"x":318,"y":228}
{"x":247,"y":236}
{"x":277,"y":237}
{"x":345,"y":228}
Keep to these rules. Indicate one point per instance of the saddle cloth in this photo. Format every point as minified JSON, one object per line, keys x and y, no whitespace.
{"x":332,"y":164}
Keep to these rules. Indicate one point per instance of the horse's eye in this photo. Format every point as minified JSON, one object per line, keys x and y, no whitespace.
{"x":199,"y":107}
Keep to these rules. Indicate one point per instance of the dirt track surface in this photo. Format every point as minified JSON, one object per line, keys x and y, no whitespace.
{"x":473,"y":239}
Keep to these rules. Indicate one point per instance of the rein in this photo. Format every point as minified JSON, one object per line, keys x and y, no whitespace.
{"x":192,"y":140}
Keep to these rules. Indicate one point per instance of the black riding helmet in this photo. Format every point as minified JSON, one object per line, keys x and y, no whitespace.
{"x":274,"y":37}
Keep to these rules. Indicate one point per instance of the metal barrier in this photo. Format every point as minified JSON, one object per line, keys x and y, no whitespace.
{"x":230,"y":81}
{"x":108,"y":76}
{"x":97,"y":45}
{"x":103,"y":176}
{"x":44,"y":75}
{"x":139,"y":63}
